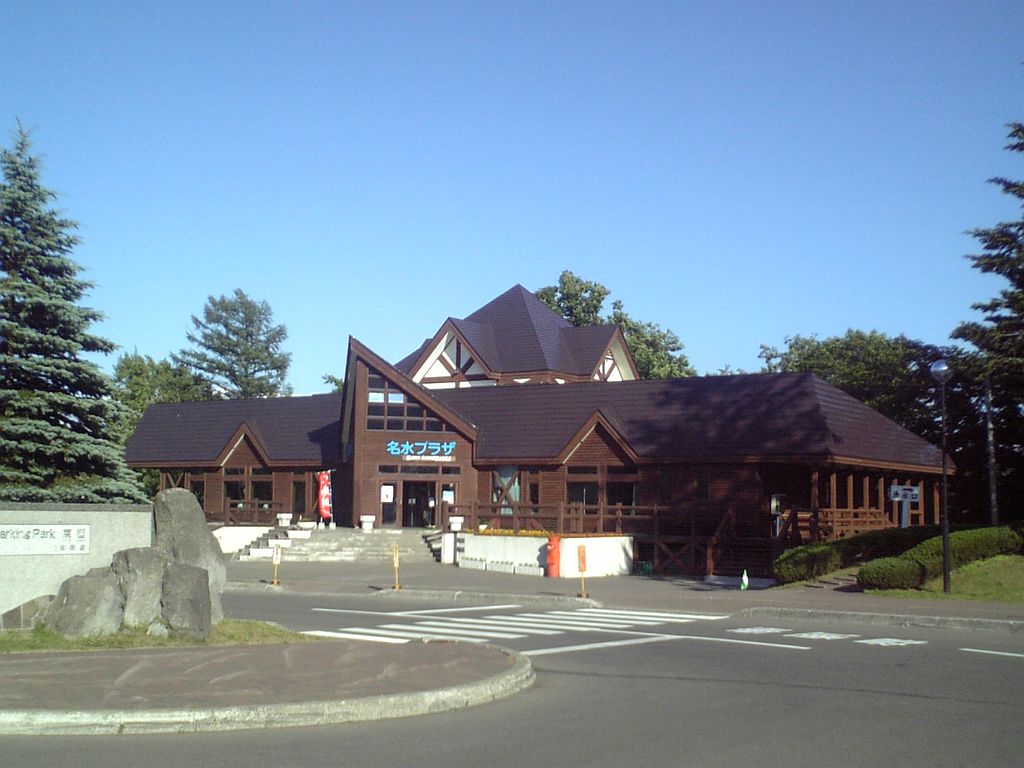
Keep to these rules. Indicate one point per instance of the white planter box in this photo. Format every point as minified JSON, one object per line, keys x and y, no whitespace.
{"x":306,"y":525}
{"x":284,"y":519}
{"x":366,"y":522}
{"x":299,"y":533}
{"x":501,"y":567}
{"x":455,"y":522}
{"x":472,"y":563}
{"x":530,"y":570}
{"x":280,"y":543}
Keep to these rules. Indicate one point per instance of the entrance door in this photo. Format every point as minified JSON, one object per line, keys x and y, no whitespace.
{"x":418,"y":504}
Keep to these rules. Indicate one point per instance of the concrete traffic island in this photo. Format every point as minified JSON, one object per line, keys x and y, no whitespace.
{"x":204,"y":689}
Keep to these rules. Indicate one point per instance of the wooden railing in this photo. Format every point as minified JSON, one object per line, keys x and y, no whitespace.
{"x":248,"y":512}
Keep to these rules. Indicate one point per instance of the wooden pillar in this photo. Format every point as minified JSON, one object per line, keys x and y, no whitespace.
{"x":849,"y":490}
{"x":814,"y":505}
{"x":881,"y":496}
{"x":936,"y":501}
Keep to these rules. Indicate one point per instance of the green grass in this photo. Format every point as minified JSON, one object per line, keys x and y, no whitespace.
{"x":999,"y":579}
{"x":228,"y":632}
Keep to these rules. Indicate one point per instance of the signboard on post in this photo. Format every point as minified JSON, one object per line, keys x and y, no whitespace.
{"x":906,"y":495}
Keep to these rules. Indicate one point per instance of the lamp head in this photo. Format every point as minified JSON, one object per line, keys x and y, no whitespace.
{"x":941,"y":371}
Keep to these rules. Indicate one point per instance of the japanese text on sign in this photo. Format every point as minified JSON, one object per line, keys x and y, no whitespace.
{"x":422,"y":450}
{"x":44,"y":539}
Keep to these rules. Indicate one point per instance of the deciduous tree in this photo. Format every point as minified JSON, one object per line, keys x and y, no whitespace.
{"x":658,"y":353}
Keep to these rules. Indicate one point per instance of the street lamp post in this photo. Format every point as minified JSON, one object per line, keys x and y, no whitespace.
{"x":941,"y":372}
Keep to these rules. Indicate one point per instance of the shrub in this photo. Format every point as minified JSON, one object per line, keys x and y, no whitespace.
{"x":806,"y":562}
{"x":812,"y":560}
{"x":925,"y":560}
{"x":890,"y":573}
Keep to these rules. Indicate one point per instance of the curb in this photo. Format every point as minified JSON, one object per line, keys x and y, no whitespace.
{"x":887,"y":619}
{"x":205,"y":720}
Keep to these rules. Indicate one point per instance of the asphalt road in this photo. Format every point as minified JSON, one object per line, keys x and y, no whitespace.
{"x":637,"y":687}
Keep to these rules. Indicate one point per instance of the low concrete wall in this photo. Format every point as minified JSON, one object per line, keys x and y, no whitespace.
{"x":606,"y":555}
{"x":42,"y":545}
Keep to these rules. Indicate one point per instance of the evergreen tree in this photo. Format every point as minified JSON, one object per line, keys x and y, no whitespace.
{"x":57,"y":418}
{"x":999,"y":337}
{"x":142,"y":381}
{"x":238,"y":348}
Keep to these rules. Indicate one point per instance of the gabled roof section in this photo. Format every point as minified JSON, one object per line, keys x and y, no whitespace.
{"x":284,"y":431}
{"x":518,"y":333}
{"x":597,"y":419}
{"x":242,"y":434}
{"x":357,"y":350}
{"x":772,"y":417}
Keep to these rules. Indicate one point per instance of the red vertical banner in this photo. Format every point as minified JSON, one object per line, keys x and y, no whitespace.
{"x":324,"y":494}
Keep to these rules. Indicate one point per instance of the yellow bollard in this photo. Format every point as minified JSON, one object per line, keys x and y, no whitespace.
{"x":581,"y":557}
{"x":277,"y":562}
{"x":394,"y":562}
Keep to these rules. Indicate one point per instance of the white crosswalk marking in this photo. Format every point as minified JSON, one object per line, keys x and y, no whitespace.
{"x":513,"y":626}
{"x":891,"y":642}
{"x":821,"y":636}
{"x":759,"y":630}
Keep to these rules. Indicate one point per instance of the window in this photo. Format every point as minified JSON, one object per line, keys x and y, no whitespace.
{"x":583,"y":493}
{"x":198,"y":488}
{"x":389,"y":408}
{"x":387,"y":468}
{"x":620,"y":493}
{"x":582,"y":470}
{"x":234,"y":492}
{"x":263,"y":493}
{"x":505,"y":488}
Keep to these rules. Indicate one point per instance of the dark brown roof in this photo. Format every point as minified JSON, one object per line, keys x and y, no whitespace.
{"x":517,"y":332}
{"x":303,"y":430}
{"x":693,"y":419}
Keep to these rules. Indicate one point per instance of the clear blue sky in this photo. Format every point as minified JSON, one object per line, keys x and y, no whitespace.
{"x":737,"y":172}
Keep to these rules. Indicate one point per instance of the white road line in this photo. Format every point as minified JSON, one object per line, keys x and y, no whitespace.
{"x":994,"y":653}
{"x":503,"y":625}
{"x":758,"y":630}
{"x":354,"y":636}
{"x":821,"y":636}
{"x":454,"y":610}
{"x":667,"y":617}
{"x":594,"y":646}
{"x":411,"y":635}
{"x":562,"y":626}
{"x":455,"y":629}
{"x":891,"y":642}
{"x":658,"y":639}
{"x":580,"y":615}
{"x":579,"y":620}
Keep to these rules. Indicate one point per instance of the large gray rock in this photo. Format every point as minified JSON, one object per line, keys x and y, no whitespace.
{"x":86,"y":605}
{"x":140,"y":575}
{"x":186,"y":600}
{"x":183,"y":536}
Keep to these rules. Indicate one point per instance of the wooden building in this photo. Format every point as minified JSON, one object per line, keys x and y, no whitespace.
{"x":513,"y":418}
{"x":245,"y":460}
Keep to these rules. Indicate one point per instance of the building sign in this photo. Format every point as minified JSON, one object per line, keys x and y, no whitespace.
{"x":423,"y":450}
{"x":44,"y":539}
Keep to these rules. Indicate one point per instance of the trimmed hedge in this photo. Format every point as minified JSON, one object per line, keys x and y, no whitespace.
{"x":812,"y":560}
{"x":923,"y":562}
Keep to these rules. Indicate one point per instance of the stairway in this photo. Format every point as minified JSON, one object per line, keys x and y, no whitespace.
{"x":345,"y":545}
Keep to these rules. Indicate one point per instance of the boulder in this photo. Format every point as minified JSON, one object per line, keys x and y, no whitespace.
{"x":140,"y":575}
{"x":182,"y":535}
{"x":86,"y":605}
{"x":186,"y":600}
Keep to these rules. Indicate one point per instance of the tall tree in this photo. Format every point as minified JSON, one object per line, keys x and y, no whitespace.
{"x":142,"y":381}
{"x":999,"y":335}
{"x":237,"y":348}
{"x":577,"y":300}
{"x":891,"y":374}
{"x":58,"y":421}
{"x":657,"y":353}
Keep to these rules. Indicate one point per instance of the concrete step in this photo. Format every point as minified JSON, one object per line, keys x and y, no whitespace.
{"x":347,"y":545}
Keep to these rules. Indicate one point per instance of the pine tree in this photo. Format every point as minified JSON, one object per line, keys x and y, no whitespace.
{"x":57,"y":418}
{"x":238,"y":348}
